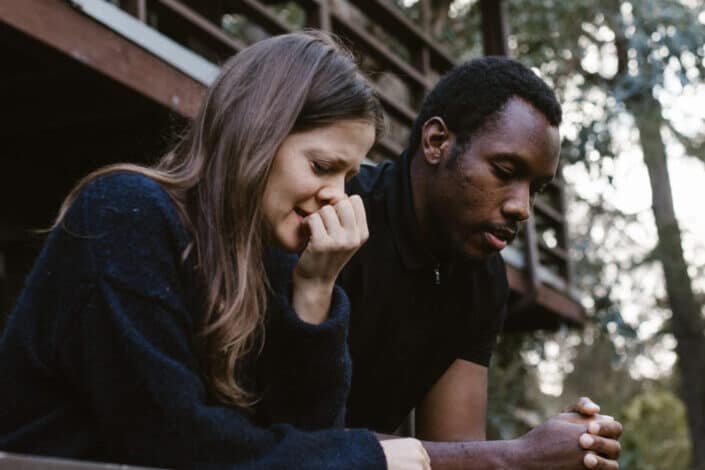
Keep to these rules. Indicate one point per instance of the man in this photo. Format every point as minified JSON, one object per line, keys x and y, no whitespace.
{"x":429,"y":288}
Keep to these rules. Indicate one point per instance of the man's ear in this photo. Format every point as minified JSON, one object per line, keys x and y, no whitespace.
{"x":435,"y":140}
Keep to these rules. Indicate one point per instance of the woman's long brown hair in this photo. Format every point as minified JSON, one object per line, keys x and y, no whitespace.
{"x":217,"y":174}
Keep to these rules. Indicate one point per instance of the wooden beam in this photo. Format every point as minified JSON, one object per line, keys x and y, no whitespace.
{"x":365,"y":41}
{"x":550,"y":212}
{"x":494,"y":27}
{"x":262,"y":16}
{"x":56,"y":24}
{"x":205,"y":25}
{"x":395,"y":107}
{"x":558,"y":303}
{"x":383,"y":13}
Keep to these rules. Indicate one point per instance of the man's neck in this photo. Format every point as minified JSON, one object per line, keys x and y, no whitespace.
{"x":431,"y":231}
{"x":418,"y":192}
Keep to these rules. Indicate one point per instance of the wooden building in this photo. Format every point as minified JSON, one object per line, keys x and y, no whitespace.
{"x":89,"y":82}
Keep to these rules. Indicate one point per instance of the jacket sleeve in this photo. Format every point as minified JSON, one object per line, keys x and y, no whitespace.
{"x":128,"y":350}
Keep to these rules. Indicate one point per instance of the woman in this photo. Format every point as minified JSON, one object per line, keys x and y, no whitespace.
{"x":163,"y":325}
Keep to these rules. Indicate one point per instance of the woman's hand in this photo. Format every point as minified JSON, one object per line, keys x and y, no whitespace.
{"x":405,"y":454}
{"x":336,"y":233}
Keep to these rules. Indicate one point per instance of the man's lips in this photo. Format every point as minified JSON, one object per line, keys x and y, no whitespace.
{"x":495,"y":242}
{"x":499,"y":237}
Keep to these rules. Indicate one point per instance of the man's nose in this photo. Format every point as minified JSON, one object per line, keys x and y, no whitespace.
{"x":517,"y":206}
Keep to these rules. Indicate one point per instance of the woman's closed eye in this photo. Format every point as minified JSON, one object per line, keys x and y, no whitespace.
{"x":321,"y":168}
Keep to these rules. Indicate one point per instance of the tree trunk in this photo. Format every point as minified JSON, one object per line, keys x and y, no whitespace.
{"x":687,"y":321}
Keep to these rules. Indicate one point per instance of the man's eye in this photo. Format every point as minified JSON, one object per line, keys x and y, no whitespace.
{"x":502,"y":172}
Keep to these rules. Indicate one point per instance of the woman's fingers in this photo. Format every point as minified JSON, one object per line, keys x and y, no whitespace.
{"x":348,"y":222}
{"x":331,"y":222}
{"x":335,"y":235}
{"x":360,"y":217}
{"x":318,"y":232}
{"x":345,"y":223}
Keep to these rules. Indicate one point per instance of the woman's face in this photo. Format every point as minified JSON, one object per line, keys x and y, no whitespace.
{"x":309,"y":171}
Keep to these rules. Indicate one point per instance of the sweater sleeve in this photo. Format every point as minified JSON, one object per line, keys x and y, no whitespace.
{"x":128,"y":349}
{"x":305,"y":369}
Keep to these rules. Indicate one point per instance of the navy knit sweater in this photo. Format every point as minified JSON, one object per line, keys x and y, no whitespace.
{"x":97,"y":359}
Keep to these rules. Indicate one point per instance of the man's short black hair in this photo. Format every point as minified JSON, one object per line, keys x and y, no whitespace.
{"x":472,"y":93}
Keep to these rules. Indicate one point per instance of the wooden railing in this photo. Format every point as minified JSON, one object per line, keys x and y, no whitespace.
{"x":401,"y":56}
{"x":403,"y":61}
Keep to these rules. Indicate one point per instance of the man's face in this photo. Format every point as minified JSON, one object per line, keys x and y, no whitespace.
{"x":479,"y":197}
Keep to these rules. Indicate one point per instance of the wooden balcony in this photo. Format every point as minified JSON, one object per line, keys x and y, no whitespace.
{"x":90,"y":82}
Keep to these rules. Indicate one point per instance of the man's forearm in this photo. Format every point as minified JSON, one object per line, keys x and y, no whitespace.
{"x":473,"y":455}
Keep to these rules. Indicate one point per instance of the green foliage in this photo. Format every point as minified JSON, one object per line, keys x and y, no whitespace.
{"x":656,"y":434}
{"x":511,"y":410}
{"x":600,"y":372}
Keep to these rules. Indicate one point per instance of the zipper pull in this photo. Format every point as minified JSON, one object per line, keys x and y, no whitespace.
{"x":437,"y":274}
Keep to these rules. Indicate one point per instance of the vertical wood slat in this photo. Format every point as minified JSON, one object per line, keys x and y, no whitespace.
{"x":138,"y":9}
{"x":494,"y":27}
{"x":324,"y":21}
{"x":565,"y":235}
{"x":424,"y":58}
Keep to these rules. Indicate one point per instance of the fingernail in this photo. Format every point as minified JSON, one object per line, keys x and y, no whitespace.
{"x":594,"y":427}
{"x":590,"y":460}
{"x":586,"y":440}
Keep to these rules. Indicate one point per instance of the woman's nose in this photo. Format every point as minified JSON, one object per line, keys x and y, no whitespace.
{"x":331,"y":193}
